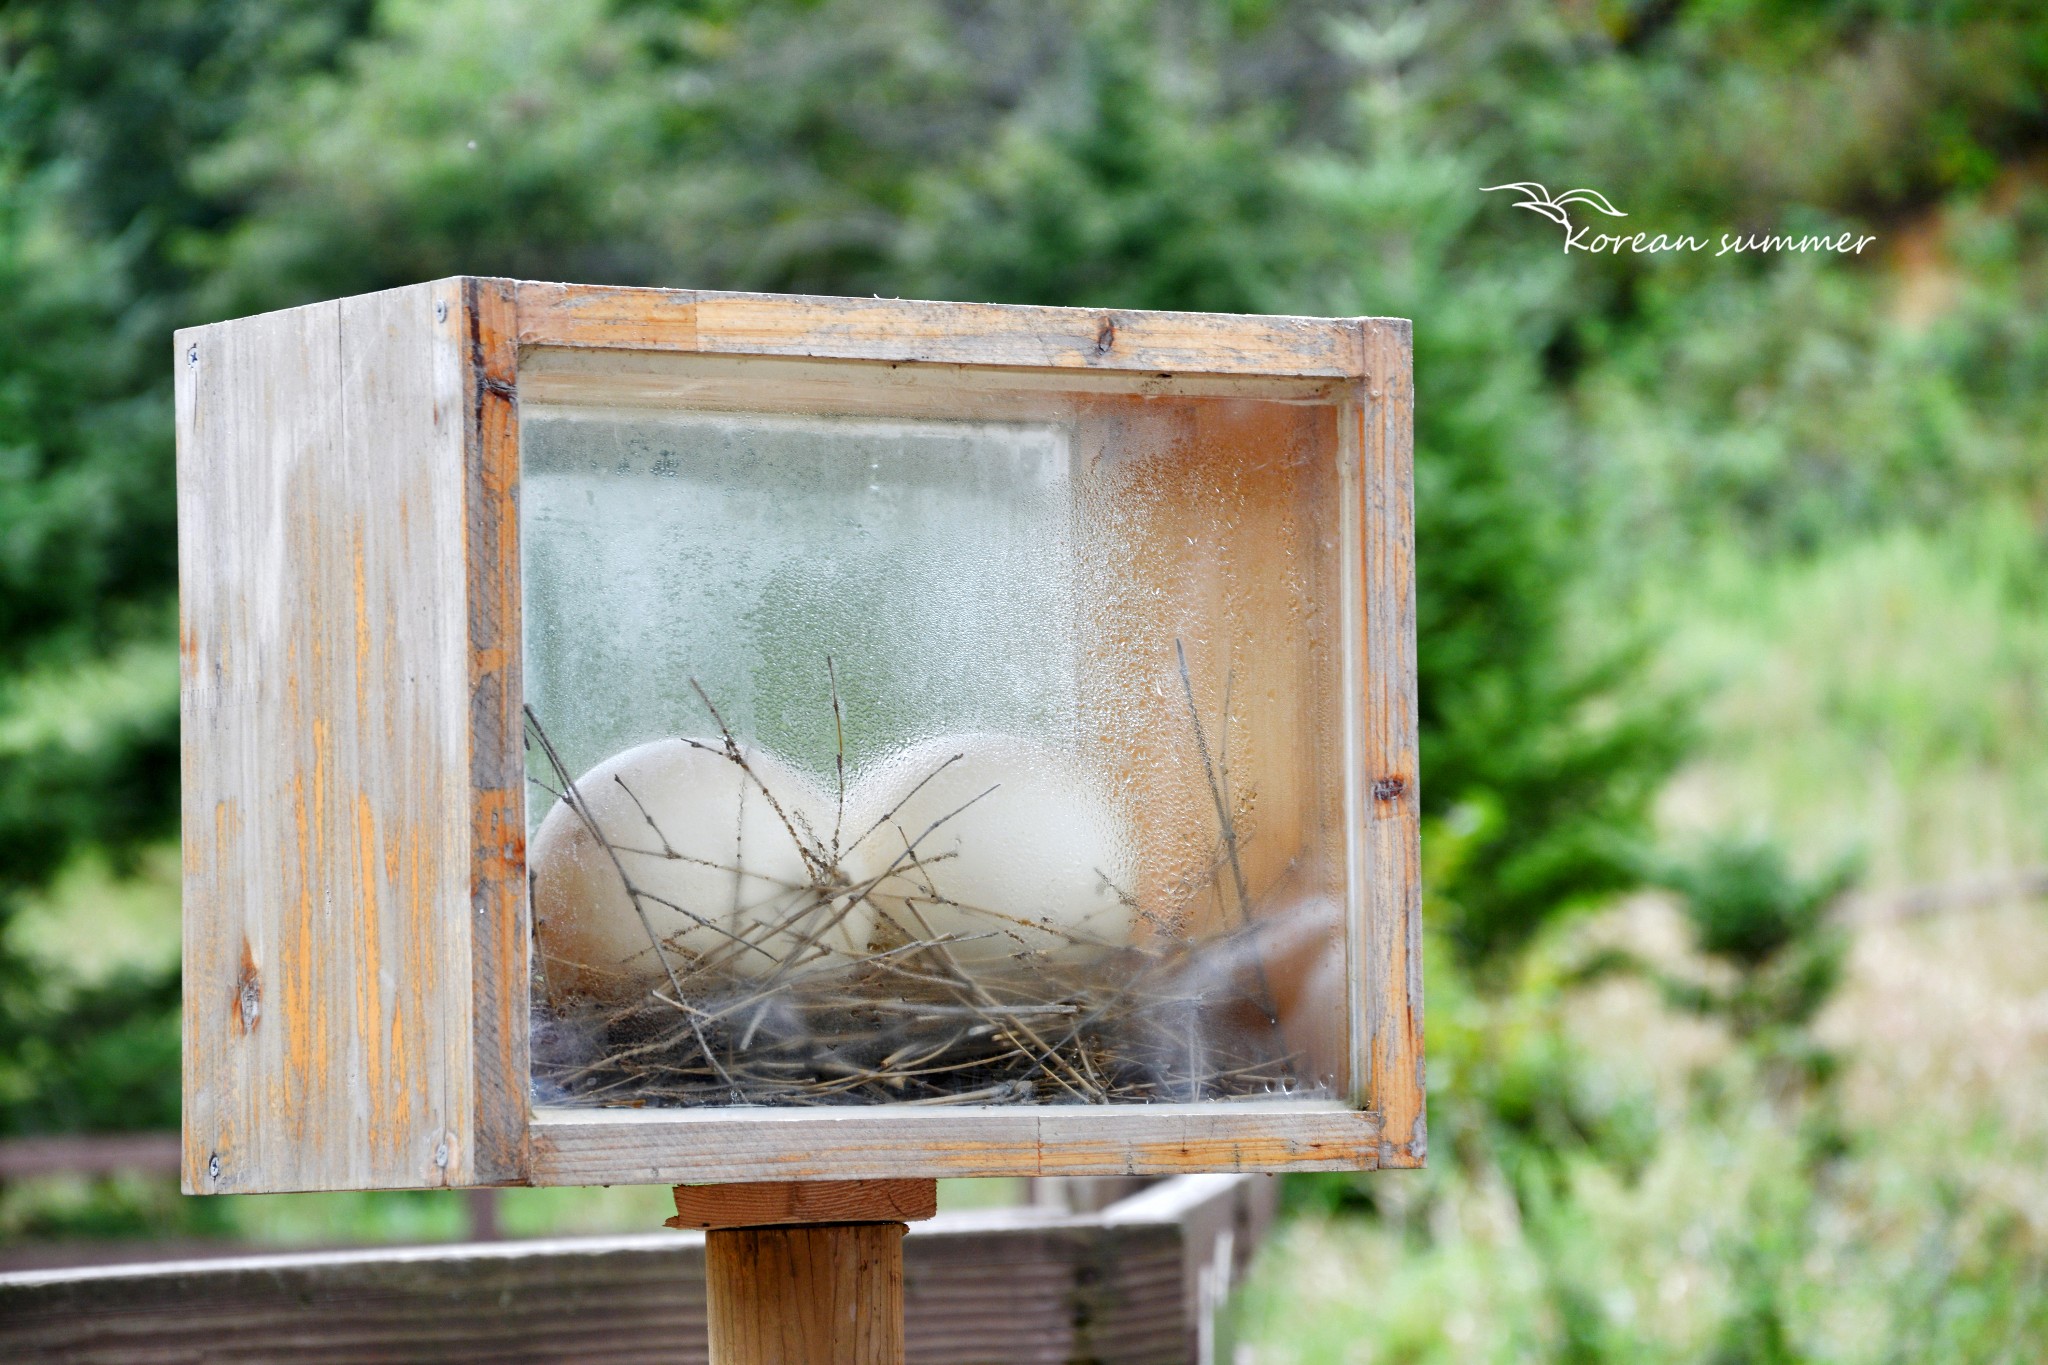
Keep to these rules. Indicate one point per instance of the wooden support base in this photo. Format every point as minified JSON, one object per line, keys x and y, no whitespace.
{"x":764,"y":1204}
{"x":807,"y":1272}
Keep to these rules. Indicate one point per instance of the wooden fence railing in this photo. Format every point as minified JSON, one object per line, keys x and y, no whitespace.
{"x":25,"y":1158}
{"x":149,"y":1154}
{"x":1138,"y":1281}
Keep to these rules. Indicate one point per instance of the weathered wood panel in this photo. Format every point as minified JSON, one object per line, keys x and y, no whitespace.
{"x":1135,"y":1284}
{"x":326,"y":750}
{"x":954,"y":333}
{"x":623,"y":1147}
{"x":1222,"y":1219}
{"x":608,"y":1300}
{"x":1391,"y":936}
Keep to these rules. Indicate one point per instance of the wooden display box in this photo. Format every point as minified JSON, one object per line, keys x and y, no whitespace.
{"x":359,"y":966}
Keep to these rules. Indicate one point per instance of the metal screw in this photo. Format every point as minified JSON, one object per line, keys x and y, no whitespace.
{"x":441,"y":1154}
{"x":440,"y":310}
{"x":213,"y":1166}
{"x":192,"y":355}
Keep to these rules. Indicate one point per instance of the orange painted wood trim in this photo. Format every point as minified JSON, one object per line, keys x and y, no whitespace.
{"x":904,"y":331}
{"x":1391,"y":789}
{"x":499,"y":937}
{"x":642,"y":1146}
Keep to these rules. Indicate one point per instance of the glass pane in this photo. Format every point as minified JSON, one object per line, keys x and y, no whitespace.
{"x":989,"y":750}
{"x":931,"y":561}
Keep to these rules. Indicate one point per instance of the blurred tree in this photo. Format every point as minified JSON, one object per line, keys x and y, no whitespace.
{"x":1772,"y":932}
{"x":124,"y":94}
{"x":100,"y":111}
{"x":88,"y":694}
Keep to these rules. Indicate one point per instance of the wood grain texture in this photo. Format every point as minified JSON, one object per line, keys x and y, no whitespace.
{"x":325,"y":754}
{"x":925,"y":332}
{"x":499,"y":966}
{"x":694,"y":381}
{"x":997,"y":1285}
{"x":607,"y":1147}
{"x":1392,"y":932}
{"x":829,"y":1295}
{"x":765,"y":1203}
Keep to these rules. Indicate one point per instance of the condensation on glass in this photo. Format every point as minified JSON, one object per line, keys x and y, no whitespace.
{"x":932,"y":736}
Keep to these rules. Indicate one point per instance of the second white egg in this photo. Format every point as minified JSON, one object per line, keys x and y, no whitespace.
{"x":1005,"y":847}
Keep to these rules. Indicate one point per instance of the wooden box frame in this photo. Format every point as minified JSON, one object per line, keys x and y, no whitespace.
{"x":356,"y":931}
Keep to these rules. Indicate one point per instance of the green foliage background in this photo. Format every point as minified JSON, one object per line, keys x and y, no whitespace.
{"x":1641,"y":480}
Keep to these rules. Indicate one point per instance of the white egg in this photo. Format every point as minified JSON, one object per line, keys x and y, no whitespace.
{"x":722,"y":878}
{"x":1017,"y":849}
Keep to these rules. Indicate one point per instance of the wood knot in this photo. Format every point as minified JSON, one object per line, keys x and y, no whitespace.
{"x":1387,"y":788}
{"x":248,"y":1006}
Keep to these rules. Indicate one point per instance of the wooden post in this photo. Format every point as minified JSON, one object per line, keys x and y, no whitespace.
{"x":829,"y":1293}
{"x":807,"y":1273}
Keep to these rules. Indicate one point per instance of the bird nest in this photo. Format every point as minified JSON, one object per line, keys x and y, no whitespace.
{"x":909,"y":1026}
{"x":920,"y":1018}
